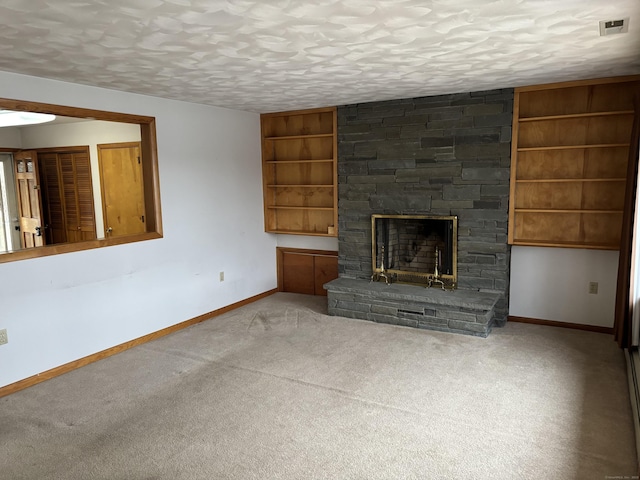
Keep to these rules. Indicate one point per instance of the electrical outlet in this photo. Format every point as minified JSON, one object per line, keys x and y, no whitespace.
{"x":222,"y":276}
{"x":3,"y":336}
{"x":593,"y":288}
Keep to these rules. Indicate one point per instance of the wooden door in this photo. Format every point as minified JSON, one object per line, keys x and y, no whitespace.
{"x":122,"y":188}
{"x":29,"y":201}
{"x":77,"y":191}
{"x":67,"y":194}
{"x":52,"y":200}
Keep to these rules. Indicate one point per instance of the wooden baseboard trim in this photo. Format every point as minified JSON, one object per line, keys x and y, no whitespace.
{"x":81,"y":362}
{"x":552,"y":323}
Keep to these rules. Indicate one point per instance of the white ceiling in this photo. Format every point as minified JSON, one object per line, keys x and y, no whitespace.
{"x":275,"y":55}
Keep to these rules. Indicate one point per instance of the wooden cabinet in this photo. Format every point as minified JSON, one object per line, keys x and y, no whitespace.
{"x":305,"y":271}
{"x":299,"y":165}
{"x":569,"y":159}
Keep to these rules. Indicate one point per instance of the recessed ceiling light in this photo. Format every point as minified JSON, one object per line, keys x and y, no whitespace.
{"x":9,"y":118}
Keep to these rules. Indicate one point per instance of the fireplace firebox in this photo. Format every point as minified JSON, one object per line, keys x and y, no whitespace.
{"x":415,"y":249}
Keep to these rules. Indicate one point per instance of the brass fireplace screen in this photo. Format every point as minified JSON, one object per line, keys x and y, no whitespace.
{"x":416,"y":249}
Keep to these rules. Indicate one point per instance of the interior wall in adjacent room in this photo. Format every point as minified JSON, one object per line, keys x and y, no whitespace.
{"x":91,"y":134}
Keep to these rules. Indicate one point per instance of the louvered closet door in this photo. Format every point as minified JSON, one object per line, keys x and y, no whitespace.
{"x":52,"y":205}
{"x":78,"y":196}
{"x":67,"y":195}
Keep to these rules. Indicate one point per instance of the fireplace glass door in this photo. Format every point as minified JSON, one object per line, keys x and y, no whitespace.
{"x":415,"y":248}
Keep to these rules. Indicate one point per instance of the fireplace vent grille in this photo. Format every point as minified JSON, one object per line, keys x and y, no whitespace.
{"x":412,"y":312}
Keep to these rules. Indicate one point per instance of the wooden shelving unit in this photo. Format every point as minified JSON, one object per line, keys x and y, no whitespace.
{"x":569,"y":161}
{"x":299,"y":165}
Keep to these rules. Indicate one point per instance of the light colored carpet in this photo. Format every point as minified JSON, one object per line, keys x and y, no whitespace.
{"x":279,"y":390}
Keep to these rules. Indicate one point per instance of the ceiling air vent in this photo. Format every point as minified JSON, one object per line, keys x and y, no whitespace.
{"x":609,"y":27}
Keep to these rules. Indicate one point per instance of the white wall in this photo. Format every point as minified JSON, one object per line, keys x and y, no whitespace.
{"x":92,"y":134}
{"x":304,"y":241}
{"x":60,"y":308}
{"x":10,"y":137}
{"x":553,"y":284}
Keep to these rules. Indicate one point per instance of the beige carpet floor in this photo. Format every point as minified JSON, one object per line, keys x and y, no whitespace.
{"x":279,"y":390}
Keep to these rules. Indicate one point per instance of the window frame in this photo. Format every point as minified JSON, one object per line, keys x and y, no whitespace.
{"x":149,"y":159}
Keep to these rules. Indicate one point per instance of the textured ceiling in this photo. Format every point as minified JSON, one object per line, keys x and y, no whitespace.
{"x":275,"y":55}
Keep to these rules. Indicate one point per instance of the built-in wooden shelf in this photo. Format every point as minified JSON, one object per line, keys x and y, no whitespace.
{"x":275,"y":162}
{"x":574,"y":115}
{"x":562,"y":180}
{"x":286,"y":185}
{"x":557,"y":243}
{"x":569,"y":157}
{"x":302,"y":232}
{"x":563,"y":210}
{"x":289,"y":207}
{"x":299,"y":137}
{"x":572,"y":147}
{"x":300,"y":172}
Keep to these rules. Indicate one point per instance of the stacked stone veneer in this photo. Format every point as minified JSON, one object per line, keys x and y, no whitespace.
{"x":443,"y":155}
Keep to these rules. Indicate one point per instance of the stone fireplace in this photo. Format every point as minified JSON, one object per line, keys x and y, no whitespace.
{"x":431,"y":156}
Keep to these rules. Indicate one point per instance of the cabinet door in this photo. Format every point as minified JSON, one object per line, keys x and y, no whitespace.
{"x":298,"y":275}
{"x":325,"y":270}
{"x":306,"y":271}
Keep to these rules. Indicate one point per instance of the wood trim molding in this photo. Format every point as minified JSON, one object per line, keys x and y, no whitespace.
{"x":578,"y":83}
{"x":306,"y":251}
{"x":39,"y":107}
{"x":553,"y":323}
{"x":81,"y":362}
{"x":57,"y":248}
{"x":301,"y":112}
{"x":73,"y":149}
{"x":512,"y":182}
